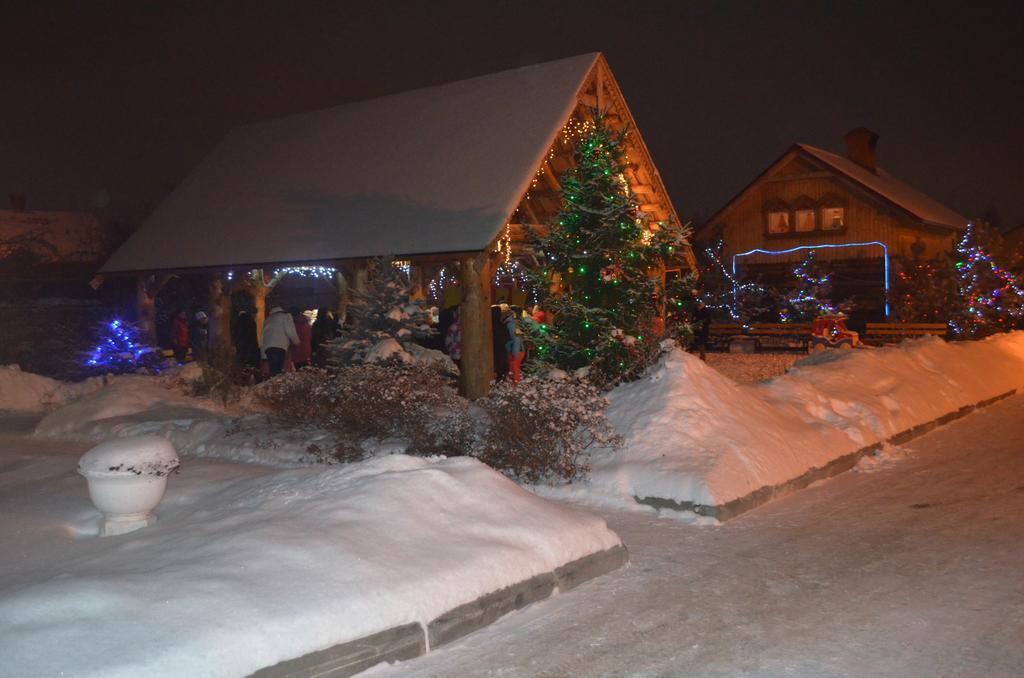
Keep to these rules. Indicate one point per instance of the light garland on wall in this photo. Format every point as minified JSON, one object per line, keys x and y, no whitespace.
{"x":874,"y":243}
{"x":307,"y":271}
{"x":439,"y":283}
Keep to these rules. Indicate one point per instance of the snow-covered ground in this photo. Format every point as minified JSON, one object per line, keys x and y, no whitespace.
{"x":694,"y":435}
{"x":910,"y":566}
{"x":250,"y":565}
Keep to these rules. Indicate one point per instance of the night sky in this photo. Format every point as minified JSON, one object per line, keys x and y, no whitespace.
{"x":113,"y":103}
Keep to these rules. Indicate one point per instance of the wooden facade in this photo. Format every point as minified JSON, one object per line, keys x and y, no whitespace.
{"x":810,"y":198}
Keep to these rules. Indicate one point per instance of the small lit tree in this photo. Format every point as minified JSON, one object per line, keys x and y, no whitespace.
{"x":811,"y":295}
{"x":926,"y":292}
{"x":121,"y":348}
{"x":992,"y":296}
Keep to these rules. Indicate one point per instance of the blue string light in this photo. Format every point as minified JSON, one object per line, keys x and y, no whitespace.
{"x":885,"y":260}
{"x":121,"y":351}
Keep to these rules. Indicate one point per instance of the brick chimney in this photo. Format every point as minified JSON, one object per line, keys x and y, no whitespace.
{"x":860,"y":148}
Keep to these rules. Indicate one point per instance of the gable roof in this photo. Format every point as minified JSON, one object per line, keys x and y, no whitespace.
{"x":886,"y":186}
{"x":883,"y":185}
{"x":437,"y":169}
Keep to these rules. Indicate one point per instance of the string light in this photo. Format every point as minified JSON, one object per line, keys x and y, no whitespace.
{"x":119,"y":350}
{"x":439,"y":283}
{"x":307,"y":271}
{"x":404,"y":265}
{"x":1005,"y":299}
{"x":873,"y":243}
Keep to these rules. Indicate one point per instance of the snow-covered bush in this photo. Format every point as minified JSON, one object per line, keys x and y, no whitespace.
{"x":540,"y":429}
{"x":379,"y":401}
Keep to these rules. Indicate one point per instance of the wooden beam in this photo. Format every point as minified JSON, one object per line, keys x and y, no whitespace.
{"x":549,"y":177}
{"x":599,"y":90}
{"x":642,"y":189}
{"x":588,"y":100}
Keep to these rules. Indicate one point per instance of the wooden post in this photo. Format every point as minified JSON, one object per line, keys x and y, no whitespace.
{"x":477,"y":368}
{"x":259,"y":300}
{"x":220,"y":318}
{"x":145,"y":306}
{"x":343,"y":297}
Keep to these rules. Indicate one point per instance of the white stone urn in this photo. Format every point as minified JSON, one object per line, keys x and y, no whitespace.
{"x":127,"y":478}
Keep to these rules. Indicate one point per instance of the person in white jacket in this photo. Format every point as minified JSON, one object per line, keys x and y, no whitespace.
{"x":278,"y":334}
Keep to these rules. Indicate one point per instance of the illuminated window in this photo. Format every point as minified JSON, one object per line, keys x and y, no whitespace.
{"x":805,"y":220}
{"x":833,"y":218}
{"x":778,"y":222}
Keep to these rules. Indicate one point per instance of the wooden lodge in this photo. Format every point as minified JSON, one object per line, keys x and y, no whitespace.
{"x":442,"y":178}
{"x":810,"y":198}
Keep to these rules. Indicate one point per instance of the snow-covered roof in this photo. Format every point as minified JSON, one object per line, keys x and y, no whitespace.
{"x":925,"y":208}
{"x":437,"y":169}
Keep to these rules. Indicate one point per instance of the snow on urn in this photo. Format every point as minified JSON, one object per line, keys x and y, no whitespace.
{"x":127,"y":478}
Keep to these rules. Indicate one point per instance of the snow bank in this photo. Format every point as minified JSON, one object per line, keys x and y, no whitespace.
{"x":27,"y":392}
{"x":141,"y":405}
{"x":694,"y":435}
{"x":249,"y":566}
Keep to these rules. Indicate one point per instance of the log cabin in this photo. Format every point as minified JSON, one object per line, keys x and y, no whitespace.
{"x":812,"y":199}
{"x":449,"y":179}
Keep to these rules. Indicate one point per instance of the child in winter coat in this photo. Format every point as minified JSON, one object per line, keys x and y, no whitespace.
{"x":514,"y":345}
{"x":453,"y":339}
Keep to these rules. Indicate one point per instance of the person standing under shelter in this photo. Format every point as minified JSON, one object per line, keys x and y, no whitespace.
{"x":302,"y":351}
{"x":200,"y":335}
{"x":278,"y":334}
{"x":179,"y":337}
{"x":243,"y":335}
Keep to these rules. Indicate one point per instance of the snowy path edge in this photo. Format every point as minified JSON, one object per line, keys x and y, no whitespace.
{"x":763,"y":495}
{"x":411,"y":640}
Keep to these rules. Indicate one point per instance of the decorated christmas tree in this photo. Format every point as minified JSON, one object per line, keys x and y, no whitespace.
{"x":811,"y":294}
{"x":992,"y":296}
{"x":383,"y":318}
{"x":122,"y":348}
{"x":926,"y":292}
{"x":606,"y":261}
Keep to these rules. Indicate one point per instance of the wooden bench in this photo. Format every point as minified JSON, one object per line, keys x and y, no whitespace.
{"x":774,"y":336}
{"x":719,"y":334}
{"x":890,"y":333}
{"x":781,"y":336}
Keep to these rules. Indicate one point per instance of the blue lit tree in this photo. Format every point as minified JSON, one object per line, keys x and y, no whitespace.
{"x":122,"y":348}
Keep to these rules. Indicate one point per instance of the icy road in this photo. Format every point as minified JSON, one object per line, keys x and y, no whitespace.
{"x":912,"y":565}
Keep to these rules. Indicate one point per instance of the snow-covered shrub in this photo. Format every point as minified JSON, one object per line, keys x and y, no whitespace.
{"x":379,"y":401}
{"x":539,"y":429}
{"x":221,"y":377}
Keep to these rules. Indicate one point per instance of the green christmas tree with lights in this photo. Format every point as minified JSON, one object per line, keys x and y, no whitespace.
{"x":992,"y":297}
{"x":605,"y":262}
{"x":926,"y":291}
